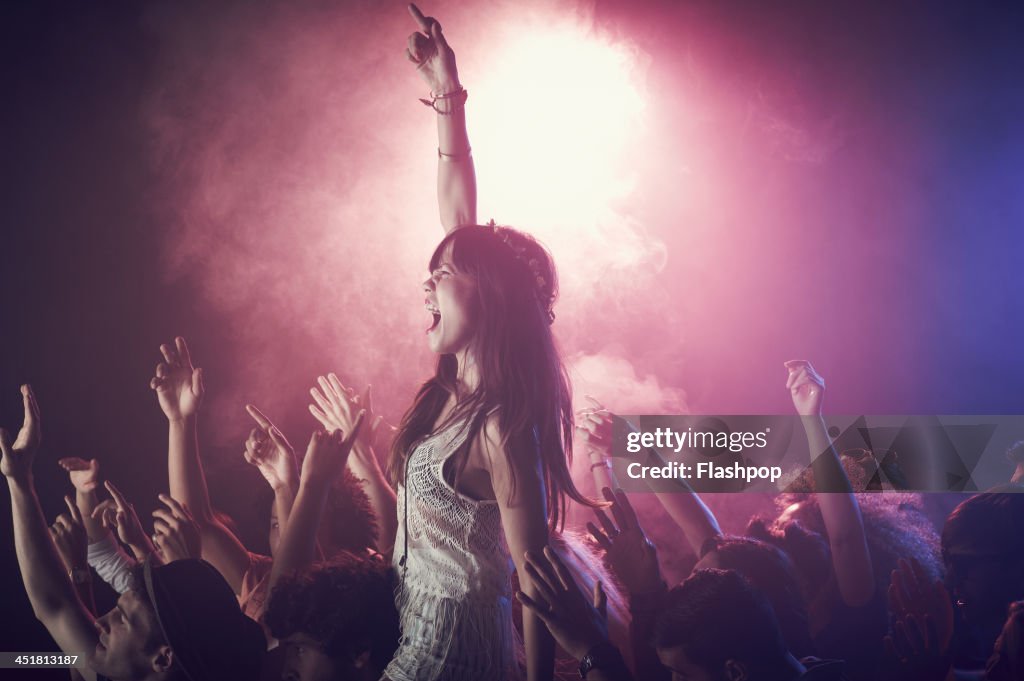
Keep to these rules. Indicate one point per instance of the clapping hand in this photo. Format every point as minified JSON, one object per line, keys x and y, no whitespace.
{"x":120,"y":517}
{"x":178,"y":385}
{"x":429,"y":50}
{"x":85,"y":475}
{"x":631,"y":555}
{"x":805,"y":386}
{"x":923,"y":628}
{"x":337,"y":407}
{"x":175,"y":532}
{"x":70,"y":538}
{"x":17,"y":456}
{"x":269,"y":450}
{"x":576,"y":622}
{"x":327,"y":453}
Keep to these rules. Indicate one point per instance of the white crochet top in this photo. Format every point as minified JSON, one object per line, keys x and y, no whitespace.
{"x":454,"y":596}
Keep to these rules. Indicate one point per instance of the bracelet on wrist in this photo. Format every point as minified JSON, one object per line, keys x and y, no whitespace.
{"x":603,"y":463}
{"x":450,"y":102}
{"x":455,"y":158}
{"x":603,"y":656}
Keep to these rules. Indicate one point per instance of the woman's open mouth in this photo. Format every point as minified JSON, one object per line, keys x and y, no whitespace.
{"x":436,"y":314}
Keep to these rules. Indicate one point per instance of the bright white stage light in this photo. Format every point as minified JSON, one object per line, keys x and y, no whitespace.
{"x":554,"y":120}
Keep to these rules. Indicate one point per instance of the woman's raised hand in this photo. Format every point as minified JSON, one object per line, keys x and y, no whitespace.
{"x":178,"y":385}
{"x":430,"y":52}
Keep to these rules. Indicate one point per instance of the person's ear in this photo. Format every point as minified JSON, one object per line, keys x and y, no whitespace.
{"x":163,"y":659}
{"x":735,"y":671}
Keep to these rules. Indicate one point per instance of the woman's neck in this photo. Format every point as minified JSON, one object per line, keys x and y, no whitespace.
{"x":468,"y":376}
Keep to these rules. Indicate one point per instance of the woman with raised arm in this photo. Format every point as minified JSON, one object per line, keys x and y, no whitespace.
{"x":480,"y":458}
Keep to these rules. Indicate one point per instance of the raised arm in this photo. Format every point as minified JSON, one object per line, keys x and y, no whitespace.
{"x":272,"y":454}
{"x":324,"y":462}
{"x":179,"y":388}
{"x":456,"y":176}
{"x":336,"y":409}
{"x":682,"y":504}
{"x":851,"y":560}
{"x":49,"y":588}
{"x":518,"y":483}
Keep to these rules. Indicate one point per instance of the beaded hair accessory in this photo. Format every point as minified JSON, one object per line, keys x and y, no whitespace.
{"x":542,"y":288}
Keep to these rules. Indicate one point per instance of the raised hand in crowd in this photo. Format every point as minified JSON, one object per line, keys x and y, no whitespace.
{"x":270,"y":452}
{"x":337,"y":407}
{"x":70,"y":538}
{"x":54,"y":600}
{"x":684,"y":505}
{"x":175,"y":532}
{"x":806,"y":386}
{"x":327,"y":455}
{"x":119,"y":516}
{"x":84,"y":475}
{"x":324,"y":462}
{"x":577,"y":622}
{"x":85,"y":478}
{"x":851,"y":559}
{"x":631,"y":555}
{"x":18,"y":455}
{"x":72,"y":542}
{"x":922,"y":611}
{"x":594,"y":427}
{"x":179,"y":388}
{"x":178,"y":385}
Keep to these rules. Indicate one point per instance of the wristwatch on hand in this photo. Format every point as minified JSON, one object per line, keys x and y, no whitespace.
{"x":602,"y":656}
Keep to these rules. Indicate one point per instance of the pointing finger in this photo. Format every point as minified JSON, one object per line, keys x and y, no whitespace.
{"x":421,"y":20}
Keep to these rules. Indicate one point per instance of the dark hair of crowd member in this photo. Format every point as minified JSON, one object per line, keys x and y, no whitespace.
{"x":346,"y":605}
{"x":770,"y":571}
{"x":522,"y":378}
{"x":716,"y":616}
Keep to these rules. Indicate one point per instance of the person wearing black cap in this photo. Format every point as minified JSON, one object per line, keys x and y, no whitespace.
{"x":182,"y":622}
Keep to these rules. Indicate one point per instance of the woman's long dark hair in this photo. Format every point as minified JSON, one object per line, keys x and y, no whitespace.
{"x":522,"y":379}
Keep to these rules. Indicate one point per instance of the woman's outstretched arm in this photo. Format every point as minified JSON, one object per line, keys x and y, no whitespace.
{"x":456,"y":176}
{"x":851,"y":559}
